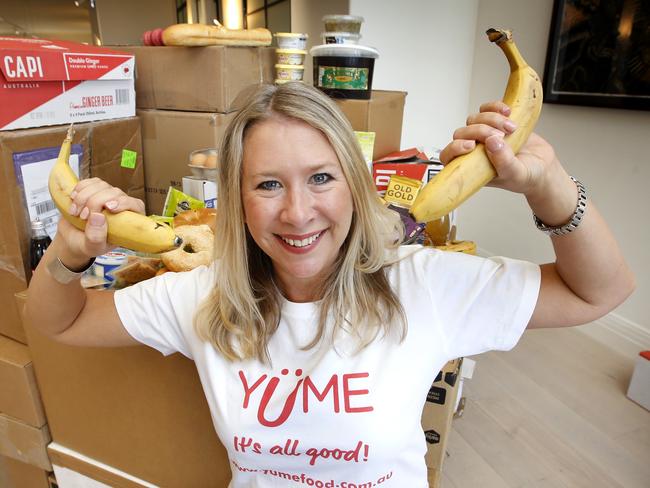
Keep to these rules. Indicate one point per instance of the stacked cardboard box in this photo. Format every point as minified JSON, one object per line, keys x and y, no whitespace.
{"x":49,"y":83}
{"x":185,"y":98}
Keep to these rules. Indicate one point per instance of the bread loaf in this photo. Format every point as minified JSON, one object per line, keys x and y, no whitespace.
{"x":210,"y":35}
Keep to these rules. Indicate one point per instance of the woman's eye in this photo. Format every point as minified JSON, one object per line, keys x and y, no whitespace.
{"x":321,"y":178}
{"x":269,"y":185}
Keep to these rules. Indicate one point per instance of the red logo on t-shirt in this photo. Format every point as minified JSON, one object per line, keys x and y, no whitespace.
{"x":339,"y":387}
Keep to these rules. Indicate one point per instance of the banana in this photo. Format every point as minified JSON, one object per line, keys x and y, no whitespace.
{"x":467,"y":174}
{"x":126,"y":229}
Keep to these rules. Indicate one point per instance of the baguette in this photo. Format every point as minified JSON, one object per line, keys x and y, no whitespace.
{"x":210,"y":35}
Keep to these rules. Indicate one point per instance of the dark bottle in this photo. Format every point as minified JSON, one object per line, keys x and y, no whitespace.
{"x":39,"y":243}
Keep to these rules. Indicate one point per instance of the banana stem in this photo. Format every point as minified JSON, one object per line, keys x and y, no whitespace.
{"x":503,"y":39}
{"x":70,"y":134}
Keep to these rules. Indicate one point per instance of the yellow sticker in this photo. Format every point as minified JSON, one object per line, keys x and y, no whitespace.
{"x":401,"y":191}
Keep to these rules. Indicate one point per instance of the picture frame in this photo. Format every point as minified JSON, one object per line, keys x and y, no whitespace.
{"x":599,"y":54}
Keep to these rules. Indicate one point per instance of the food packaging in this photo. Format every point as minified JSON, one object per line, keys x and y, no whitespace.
{"x":178,"y":202}
{"x":203,"y":164}
{"x":344,"y":70}
{"x":340,"y":38}
{"x":343,"y":23}
{"x":291,"y":40}
{"x":290,"y":56}
{"x":289,"y":72}
{"x":106,"y":264}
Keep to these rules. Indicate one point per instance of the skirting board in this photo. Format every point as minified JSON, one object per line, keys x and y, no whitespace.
{"x":625,"y":336}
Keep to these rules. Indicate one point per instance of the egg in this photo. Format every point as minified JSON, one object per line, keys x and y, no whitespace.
{"x":198,"y":159}
{"x":211,"y":161}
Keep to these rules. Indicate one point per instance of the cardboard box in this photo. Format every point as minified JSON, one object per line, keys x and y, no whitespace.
{"x":381,"y":114}
{"x":410,"y":163}
{"x":75,"y":469}
{"x":168,"y":138}
{"x":437,"y":415}
{"x":24,"y":443}
{"x":99,"y":148}
{"x":15,"y":474}
{"x":639,"y":388}
{"x":203,"y":79}
{"x":46,"y":82}
{"x":203,"y":190}
{"x":19,"y":396}
{"x":130,"y":408}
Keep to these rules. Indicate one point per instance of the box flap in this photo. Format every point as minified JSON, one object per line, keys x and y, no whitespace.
{"x":44,"y":60}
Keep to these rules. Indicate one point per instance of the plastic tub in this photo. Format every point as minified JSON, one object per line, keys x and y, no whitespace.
{"x":340,"y":38}
{"x":282,"y":82}
{"x":344,"y":70}
{"x":289,"y":72}
{"x":291,"y":40}
{"x":343,"y":23}
{"x":290,"y":56}
{"x":107,"y":263}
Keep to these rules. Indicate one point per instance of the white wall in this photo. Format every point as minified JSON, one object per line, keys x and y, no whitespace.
{"x":605,"y":148}
{"x":425,"y":48}
{"x":437,"y":51}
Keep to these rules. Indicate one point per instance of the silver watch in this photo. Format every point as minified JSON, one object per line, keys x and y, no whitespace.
{"x":64,"y":275}
{"x":575,"y":219}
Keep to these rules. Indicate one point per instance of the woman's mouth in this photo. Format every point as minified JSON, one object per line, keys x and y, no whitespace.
{"x":301,"y":244}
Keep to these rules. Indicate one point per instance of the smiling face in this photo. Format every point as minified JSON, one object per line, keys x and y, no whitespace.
{"x":297,"y":203}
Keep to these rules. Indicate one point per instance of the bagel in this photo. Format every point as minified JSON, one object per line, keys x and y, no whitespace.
{"x":196,"y":249}
{"x":199,"y":216}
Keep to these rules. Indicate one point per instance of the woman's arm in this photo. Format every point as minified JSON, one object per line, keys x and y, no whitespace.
{"x":589,"y":277}
{"x":66,"y":312}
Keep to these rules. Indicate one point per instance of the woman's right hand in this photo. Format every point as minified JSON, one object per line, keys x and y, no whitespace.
{"x":89,"y":198}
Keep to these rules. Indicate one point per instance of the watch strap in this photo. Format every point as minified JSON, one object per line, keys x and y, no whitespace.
{"x":64,"y":275}
{"x":575,"y":219}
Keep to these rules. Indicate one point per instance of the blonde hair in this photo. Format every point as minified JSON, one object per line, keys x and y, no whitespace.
{"x":243,"y":310}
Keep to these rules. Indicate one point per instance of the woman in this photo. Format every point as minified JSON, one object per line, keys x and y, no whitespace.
{"x":315,"y":336}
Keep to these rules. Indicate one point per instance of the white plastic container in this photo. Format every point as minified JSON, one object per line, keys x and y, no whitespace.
{"x":291,"y":56}
{"x":291,"y":40}
{"x":343,"y":23}
{"x":203,"y":163}
{"x":289,"y":72}
{"x":107,"y":263}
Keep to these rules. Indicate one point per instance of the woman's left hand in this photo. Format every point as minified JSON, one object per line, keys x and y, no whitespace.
{"x":523,"y":172}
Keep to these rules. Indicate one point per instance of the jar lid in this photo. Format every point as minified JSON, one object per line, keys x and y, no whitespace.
{"x":290,"y":51}
{"x":351,"y":35}
{"x":344,"y":51}
{"x":38,"y":225}
{"x":343,"y":18}
{"x":291,"y":34}
{"x":112,"y":258}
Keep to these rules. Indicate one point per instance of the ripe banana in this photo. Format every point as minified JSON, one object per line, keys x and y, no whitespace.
{"x":127,"y":229}
{"x":467,"y":174}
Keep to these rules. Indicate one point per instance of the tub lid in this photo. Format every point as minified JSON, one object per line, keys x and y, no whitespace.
{"x":292,"y":34}
{"x":343,"y":18}
{"x":352,"y":35}
{"x":290,"y":51}
{"x":344,"y":50}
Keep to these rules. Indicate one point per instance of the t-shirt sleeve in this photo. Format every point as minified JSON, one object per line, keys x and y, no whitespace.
{"x":482,"y":304}
{"x":159,"y":312}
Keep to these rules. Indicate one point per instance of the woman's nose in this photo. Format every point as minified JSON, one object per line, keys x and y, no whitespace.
{"x":298,"y":207}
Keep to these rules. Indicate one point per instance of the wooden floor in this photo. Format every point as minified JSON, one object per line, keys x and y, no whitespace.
{"x":550,"y":413}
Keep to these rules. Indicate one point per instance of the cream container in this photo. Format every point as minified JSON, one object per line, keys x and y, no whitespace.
{"x":343,"y":23}
{"x":291,"y":40}
{"x":289,"y":72}
{"x":291,"y":56}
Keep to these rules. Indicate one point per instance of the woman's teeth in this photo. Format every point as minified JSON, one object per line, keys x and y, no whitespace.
{"x":302,"y":243}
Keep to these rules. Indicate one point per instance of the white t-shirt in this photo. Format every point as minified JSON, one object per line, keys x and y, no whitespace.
{"x":326,"y":417}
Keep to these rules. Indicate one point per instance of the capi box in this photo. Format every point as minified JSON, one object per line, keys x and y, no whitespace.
{"x":45,"y":82}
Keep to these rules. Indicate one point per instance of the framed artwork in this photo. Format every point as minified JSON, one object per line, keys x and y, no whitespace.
{"x":599,"y":54}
